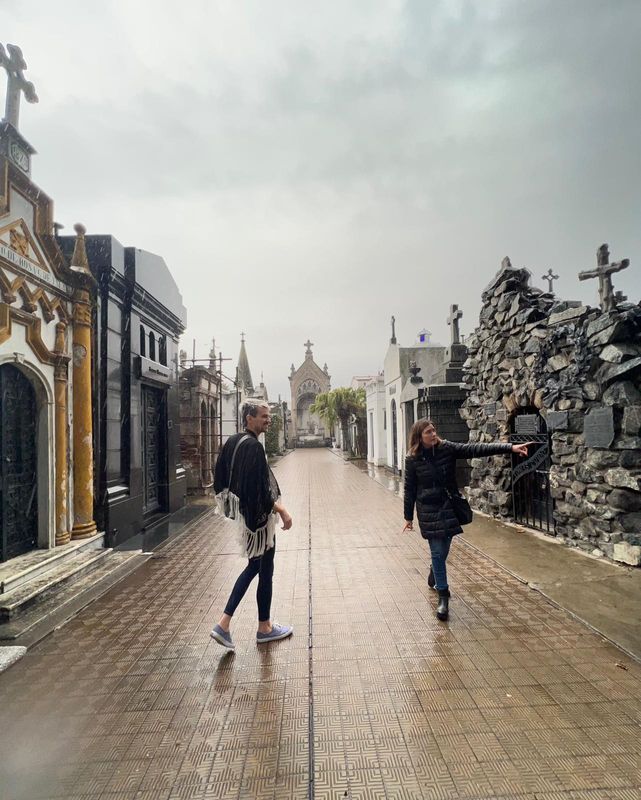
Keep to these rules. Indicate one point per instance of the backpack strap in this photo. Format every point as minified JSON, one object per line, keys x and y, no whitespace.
{"x":233,"y":457}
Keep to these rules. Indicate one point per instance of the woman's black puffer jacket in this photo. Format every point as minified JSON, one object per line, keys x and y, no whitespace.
{"x":431,"y":474}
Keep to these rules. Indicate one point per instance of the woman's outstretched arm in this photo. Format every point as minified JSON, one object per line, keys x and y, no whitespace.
{"x":486,"y":449}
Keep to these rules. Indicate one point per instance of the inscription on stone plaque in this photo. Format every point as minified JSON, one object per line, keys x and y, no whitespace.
{"x":501,"y":415}
{"x":557,"y":420}
{"x":527,"y":424}
{"x":490,"y":409}
{"x":598,"y":427}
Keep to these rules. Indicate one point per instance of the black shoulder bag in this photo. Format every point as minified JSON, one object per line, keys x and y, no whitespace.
{"x":462,"y":509}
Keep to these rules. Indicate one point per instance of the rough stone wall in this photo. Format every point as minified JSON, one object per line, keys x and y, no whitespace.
{"x":572,"y":363}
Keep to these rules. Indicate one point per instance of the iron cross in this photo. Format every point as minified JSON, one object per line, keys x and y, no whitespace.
{"x":15,"y":65}
{"x":604,"y":273}
{"x":453,"y":319}
{"x":550,"y":277}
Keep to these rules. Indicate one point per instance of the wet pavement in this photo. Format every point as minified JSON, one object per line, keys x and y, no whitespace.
{"x":371,"y":698}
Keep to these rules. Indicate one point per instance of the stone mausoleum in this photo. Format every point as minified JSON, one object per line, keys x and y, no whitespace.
{"x":307,"y":382}
{"x":566,"y":377}
{"x":46,"y":435}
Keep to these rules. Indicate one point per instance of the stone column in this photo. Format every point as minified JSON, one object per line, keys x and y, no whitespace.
{"x":83,"y":522}
{"x":62,"y":477}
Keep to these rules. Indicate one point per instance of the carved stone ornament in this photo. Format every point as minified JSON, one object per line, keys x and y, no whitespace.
{"x":79,"y":354}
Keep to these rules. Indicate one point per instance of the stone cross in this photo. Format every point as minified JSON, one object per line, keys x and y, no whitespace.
{"x":454,"y":317}
{"x":308,"y":345}
{"x":604,"y":272}
{"x":393,"y":339}
{"x":550,"y":277}
{"x":15,"y":65}
{"x":242,"y":336}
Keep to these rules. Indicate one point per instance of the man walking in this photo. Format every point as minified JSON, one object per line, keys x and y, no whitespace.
{"x":247,"y":493}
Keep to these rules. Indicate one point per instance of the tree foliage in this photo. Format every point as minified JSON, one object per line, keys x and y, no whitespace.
{"x":343,"y":405}
{"x":272,"y":445}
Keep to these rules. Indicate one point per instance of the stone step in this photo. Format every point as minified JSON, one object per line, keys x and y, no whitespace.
{"x":66,"y":599}
{"x":24,"y":568}
{"x":67,"y":570}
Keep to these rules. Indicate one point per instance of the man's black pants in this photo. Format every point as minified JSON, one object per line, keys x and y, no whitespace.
{"x":263,"y":566}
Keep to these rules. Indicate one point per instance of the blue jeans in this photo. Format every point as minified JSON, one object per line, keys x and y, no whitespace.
{"x":439,"y":548}
{"x":263,"y":566}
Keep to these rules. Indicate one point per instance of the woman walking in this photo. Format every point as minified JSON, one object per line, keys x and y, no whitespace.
{"x":430,"y":483}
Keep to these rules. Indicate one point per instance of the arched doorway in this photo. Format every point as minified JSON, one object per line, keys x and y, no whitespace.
{"x":531,"y":498}
{"x":394,"y":436}
{"x":18,"y":464}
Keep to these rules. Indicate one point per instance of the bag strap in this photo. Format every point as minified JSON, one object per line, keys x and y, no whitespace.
{"x":233,"y":457}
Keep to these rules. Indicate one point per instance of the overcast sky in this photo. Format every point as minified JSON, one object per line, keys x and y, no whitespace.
{"x":309,"y":169}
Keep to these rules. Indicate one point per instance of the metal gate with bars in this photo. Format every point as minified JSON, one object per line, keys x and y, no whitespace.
{"x":153,"y":451}
{"x":18,"y":464}
{"x":531,"y":498}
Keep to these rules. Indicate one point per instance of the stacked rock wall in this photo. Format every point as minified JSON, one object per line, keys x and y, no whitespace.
{"x":580,"y":368}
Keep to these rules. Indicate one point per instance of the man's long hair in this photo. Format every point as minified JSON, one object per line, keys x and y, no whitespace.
{"x":415,"y":435}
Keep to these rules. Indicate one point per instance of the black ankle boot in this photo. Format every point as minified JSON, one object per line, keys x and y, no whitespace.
{"x":430,"y":579}
{"x":442,"y":609}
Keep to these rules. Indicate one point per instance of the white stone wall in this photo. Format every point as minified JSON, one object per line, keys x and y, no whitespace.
{"x":376,"y":423}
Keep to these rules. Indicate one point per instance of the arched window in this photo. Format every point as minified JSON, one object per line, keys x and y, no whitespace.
{"x":143,"y":341}
{"x":162,"y":350}
{"x":152,"y":346}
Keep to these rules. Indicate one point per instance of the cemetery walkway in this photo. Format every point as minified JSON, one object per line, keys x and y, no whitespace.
{"x":371,"y":698}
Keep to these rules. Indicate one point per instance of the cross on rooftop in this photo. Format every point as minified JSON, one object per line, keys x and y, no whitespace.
{"x":242,"y":336}
{"x":453,"y":320}
{"x":308,"y":345}
{"x":604,"y":273}
{"x":13,"y":62}
{"x":550,"y":277}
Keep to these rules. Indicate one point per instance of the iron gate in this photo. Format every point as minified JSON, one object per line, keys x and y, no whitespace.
{"x":153,"y":448}
{"x":18,"y":464}
{"x":531,"y":498}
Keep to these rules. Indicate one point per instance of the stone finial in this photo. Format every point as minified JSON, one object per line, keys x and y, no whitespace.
{"x":393,"y":339}
{"x":506,"y":263}
{"x":308,"y":345}
{"x":13,"y":62}
{"x":550,"y":277}
{"x":79,"y":260}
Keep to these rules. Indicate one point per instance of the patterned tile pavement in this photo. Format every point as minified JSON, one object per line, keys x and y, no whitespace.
{"x":371,"y":698}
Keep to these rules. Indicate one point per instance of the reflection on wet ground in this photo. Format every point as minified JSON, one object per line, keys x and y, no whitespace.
{"x":372,"y":697}
{"x":392,"y":482}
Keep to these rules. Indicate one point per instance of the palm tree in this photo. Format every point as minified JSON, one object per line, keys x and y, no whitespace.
{"x":341,"y":405}
{"x":323,"y":407}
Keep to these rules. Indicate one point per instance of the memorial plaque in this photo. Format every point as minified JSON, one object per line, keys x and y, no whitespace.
{"x":557,"y":420}
{"x":598,"y":427}
{"x":490,"y":409}
{"x":492,"y":428}
{"x":527,"y":424}
{"x":501,"y":415}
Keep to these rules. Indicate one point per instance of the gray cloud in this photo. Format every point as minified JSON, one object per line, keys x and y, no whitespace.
{"x":330,"y":165}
